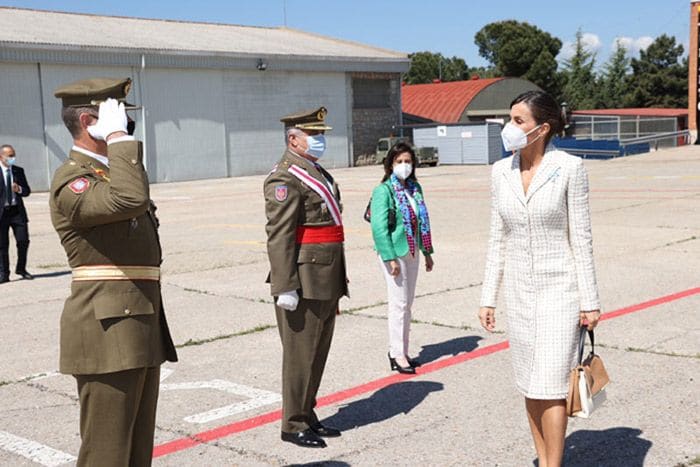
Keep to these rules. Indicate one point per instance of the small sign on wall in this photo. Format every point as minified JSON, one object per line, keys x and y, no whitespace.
{"x":466,"y":134}
{"x":442,"y":130}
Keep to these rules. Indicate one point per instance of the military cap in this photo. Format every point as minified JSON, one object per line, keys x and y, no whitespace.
{"x":94,"y":91}
{"x":307,"y":120}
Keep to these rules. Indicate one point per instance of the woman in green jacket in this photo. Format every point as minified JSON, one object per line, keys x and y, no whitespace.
{"x":400,"y":228}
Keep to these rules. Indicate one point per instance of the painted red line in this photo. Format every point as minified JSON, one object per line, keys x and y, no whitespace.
{"x":270,"y":417}
{"x":650,"y":303}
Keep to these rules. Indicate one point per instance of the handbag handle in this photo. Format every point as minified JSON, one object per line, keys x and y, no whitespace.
{"x":582,"y":342}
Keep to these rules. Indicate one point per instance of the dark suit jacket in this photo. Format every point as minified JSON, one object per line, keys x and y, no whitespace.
{"x":19,"y":178}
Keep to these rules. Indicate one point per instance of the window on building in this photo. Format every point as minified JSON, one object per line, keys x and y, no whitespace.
{"x":370,"y":93}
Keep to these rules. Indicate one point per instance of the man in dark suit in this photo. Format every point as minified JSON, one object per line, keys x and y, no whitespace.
{"x":13,"y":188}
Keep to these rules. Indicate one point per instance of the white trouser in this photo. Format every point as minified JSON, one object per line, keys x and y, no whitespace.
{"x":401,"y":291}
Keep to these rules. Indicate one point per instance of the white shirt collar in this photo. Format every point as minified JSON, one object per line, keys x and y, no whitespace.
{"x":99,"y":158}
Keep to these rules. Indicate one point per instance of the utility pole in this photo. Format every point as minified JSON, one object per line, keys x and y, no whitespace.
{"x":284,"y":11}
{"x":694,"y":71}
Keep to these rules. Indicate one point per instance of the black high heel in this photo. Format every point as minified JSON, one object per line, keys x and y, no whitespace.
{"x":413,"y":362}
{"x":409,"y":370}
{"x":392,"y":362}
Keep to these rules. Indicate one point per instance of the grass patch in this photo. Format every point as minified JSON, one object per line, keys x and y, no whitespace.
{"x":52,"y":265}
{"x":195,"y":342}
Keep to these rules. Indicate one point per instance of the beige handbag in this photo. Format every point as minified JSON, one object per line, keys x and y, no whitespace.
{"x":587,"y":381}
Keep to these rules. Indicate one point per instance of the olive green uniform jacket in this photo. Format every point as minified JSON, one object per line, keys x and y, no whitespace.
{"x":316,"y":271}
{"x":104,"y":216}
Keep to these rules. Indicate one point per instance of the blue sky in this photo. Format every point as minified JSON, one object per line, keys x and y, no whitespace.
{"x":445,"y":26}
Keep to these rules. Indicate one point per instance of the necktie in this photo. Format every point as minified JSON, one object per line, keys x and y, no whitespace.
{"x":8,"y":187}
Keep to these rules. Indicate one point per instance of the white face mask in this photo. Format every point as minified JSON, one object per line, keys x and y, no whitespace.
{"x":403,"y":170}
{"x":515,"y":138}
{"x":317,"y":145}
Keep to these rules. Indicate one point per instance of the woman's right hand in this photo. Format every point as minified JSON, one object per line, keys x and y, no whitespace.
{"x":487,"y":316}
{"x":394,"y":268}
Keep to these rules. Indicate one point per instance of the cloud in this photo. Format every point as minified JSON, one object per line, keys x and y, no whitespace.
{"x":632,"y":45}
{"x":591,"y":43}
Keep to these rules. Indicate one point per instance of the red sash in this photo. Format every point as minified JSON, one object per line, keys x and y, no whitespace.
{"x":322,"y":234}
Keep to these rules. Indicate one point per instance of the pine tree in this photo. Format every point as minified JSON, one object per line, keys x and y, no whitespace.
{"x":614,"y":83}
{"x":579,"y":78}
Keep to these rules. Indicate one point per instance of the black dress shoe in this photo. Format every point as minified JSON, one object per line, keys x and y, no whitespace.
{"x":25,"y":275}
{"x":325,"y":431}
{"x":305,"y":439}
{"x":4,"y":279}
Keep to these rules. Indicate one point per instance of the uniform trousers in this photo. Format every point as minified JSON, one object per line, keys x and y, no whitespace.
{"x":117,"y":417}
{"x":12,"y":218}
{"x":401,"y":290}
{"x":306,"y":335}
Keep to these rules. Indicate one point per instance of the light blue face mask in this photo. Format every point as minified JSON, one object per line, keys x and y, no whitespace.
{"x":317,"y":145}
{"x":10,"y":161}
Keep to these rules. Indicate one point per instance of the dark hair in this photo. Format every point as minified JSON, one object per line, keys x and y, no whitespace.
{"x":544,"y":109}
{"x":395,"y":151}
{"x":71,"y":118}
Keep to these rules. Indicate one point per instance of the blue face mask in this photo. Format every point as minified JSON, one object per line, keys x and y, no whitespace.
{"x":10,"y":161}
{"x":317,"y":145}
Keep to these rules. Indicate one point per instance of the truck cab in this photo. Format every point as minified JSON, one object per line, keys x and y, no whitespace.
{"x":425,"y":155}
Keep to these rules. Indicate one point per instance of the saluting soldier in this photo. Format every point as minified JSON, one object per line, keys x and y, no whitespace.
{"x":307,"y":270}
{"x":114,"y":335}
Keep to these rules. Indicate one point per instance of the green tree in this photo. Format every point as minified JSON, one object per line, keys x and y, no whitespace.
{"x":429,"y":66}
{"x":520,"y":49}
{"x":614,"y":83}
{"x":579,"y":89}
{"x":659,"y":78}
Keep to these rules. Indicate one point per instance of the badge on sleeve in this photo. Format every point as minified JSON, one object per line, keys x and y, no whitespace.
{"x":281,"y":193}
{"x":79,"y":185}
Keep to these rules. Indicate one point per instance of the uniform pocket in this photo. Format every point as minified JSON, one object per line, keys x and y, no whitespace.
{"x":123,"y":305}
{"x":314,"y":257}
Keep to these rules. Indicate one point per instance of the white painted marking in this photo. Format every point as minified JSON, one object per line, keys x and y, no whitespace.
{"x":667,"y":176}
{"x":33,"y":451}
{"x":164,"y":373}
{"x":256,"y":398}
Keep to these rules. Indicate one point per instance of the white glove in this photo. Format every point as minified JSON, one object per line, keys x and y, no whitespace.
{"x":111,"y":119}
{"x":288,"y":300}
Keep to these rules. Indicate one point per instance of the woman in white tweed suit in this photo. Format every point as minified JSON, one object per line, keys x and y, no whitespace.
{"x":540,"y":250}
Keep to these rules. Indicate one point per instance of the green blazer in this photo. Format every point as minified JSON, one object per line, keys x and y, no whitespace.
{"x":390,"y":245}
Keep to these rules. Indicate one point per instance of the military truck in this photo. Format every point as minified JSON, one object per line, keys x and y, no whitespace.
{"x":426,"y":155}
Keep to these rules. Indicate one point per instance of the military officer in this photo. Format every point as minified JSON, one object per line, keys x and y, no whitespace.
{"x":307,"y":270}
{"x":114,"y":335}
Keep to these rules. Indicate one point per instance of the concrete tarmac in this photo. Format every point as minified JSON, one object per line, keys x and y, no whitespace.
{"x":218,"y":405}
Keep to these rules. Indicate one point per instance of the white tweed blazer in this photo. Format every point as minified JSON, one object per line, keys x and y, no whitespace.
{"x":541,"y":252}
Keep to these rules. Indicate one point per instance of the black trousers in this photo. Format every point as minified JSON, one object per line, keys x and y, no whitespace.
{"x":12,"y":218}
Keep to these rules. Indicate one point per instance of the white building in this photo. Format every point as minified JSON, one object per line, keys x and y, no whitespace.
{"x":212,"y":94}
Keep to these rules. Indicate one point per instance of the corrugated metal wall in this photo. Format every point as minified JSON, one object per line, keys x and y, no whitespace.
{"x":462,"y":144}
{"x":199,"y":123}
{"x":22,"y":120}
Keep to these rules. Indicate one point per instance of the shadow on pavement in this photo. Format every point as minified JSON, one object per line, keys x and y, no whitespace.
{"x":51,"y":274}
{"x":382,"y":405}
{"x":605,"y":448}
{"x":321,"y":464}
{"x":452,"y":347}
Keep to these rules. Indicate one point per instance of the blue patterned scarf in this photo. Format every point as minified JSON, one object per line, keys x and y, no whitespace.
{"x":409,"y":216}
